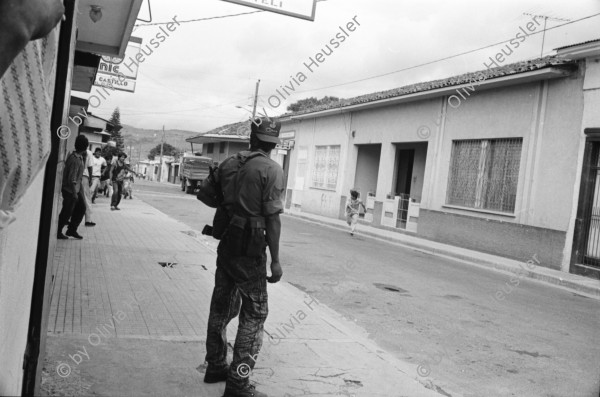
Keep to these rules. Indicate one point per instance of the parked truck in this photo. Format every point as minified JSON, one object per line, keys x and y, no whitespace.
{"x":194,"y":169}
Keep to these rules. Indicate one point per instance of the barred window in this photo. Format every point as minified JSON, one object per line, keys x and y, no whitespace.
{"x":484,"y":173}
{"x":325,"y":172}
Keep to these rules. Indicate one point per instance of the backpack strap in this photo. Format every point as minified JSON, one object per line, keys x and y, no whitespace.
{"x":243,"y":160}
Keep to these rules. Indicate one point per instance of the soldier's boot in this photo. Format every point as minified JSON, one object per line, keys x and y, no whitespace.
{"x":248,"y":391}
{"x":215,"y":375}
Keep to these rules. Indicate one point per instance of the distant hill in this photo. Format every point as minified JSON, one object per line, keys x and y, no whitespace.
{"x":147,"y":139}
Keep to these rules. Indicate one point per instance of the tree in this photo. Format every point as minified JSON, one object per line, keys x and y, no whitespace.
{"x":115,"y":127}
{"x":168,"y":150}
{"x":309,"y":103}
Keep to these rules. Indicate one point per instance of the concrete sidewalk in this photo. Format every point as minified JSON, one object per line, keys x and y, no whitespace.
{"x":122,"y":324}
{"x":582,"y":285}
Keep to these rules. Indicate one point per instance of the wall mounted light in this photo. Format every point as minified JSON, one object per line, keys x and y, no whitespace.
{"x":95,"y":13}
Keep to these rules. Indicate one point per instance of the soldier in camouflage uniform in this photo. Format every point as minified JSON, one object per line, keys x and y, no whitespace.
{"x":252,"y":187}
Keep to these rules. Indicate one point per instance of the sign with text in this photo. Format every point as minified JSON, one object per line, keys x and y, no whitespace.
{"x":112,"y":72}
{"x":304,"y":9}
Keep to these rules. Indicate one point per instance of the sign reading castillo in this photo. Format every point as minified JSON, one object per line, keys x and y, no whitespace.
{"x":304,"y":9}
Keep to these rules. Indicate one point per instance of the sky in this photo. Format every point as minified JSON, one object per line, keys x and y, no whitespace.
{"x":197,"y":76}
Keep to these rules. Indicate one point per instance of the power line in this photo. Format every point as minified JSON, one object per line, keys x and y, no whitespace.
{"x":445,"y":58}
{"x":185,"y":110}
{"x":375,"y":76}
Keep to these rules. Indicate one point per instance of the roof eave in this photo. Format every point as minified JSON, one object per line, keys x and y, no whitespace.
{"x":536,"y":75}
{"x":586,"y":50}
{"x":212,"y":138}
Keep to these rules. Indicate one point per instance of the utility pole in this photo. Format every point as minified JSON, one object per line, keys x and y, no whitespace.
{"x":162,"y":142}
{"x":546,"y":17}
{"x":139,"y":158}
{"x":255,"y":99}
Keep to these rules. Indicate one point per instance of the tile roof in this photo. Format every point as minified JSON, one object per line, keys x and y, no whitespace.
{"x":576,"y":44}
{"x":243,"y":128}
{"x":506,"y":70}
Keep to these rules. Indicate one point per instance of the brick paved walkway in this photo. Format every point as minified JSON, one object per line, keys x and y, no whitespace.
{"x":114,"y":301}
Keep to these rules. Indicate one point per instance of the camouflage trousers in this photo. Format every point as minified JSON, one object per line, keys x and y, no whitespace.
{"x":240,"y":288}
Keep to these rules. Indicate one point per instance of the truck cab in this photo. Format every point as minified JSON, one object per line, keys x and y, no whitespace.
{"x":194,"y":169}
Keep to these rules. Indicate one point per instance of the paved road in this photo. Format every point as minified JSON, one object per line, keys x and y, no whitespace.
{"x":437,"y":313}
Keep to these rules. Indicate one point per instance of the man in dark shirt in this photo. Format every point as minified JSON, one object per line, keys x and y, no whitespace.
{"x":252,"y":186}
{"x":73,"y":206}
{"x":118,"y":174}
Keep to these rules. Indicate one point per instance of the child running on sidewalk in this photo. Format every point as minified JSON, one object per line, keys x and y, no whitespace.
{"x":352,"y":210}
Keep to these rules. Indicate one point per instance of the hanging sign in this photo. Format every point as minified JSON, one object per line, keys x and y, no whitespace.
{"x":119,"y":75}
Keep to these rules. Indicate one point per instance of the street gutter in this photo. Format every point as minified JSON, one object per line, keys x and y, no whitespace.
{"x":587,"y":287}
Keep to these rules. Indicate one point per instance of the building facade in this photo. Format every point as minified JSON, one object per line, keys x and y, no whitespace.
{"x":223,"y":142}
{"x":70,"y":59}
{"x":490,"y":161}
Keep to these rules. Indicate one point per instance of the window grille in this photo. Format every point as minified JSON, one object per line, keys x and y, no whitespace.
{"x":402,"y":216}
{"x":325,"y":172}
{"x":484,"y":173}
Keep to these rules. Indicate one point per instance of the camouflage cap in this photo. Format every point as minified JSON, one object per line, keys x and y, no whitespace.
{"x":266,"y":129}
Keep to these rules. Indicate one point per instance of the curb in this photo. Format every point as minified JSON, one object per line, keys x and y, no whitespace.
{"x":565,"y":280}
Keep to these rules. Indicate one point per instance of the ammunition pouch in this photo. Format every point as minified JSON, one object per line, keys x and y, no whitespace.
{"x":246,"y":236}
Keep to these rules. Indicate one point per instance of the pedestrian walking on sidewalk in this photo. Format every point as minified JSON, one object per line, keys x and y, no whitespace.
{"x":353,"y":210}
{"x":87,"y":184}
{"x":106,"y":178}
{"x":128,"y":185}
{"x":73,"y":206}
{"x":98,"y":163}
{"x":252,"y":188}
{"x":118,"y":174}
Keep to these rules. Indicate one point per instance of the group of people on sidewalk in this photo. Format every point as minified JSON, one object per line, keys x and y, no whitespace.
{"x":246,"y":190}
{"x":85,"y":174}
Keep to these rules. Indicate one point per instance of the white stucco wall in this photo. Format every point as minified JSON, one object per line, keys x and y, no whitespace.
{"x":486,"y":114}
{"x":545,"y":114}
{"x":554,"y":179}
{"x":367,"y":167}
{"x":547,"y":117}
{"x":389,"y":125}
{"x":332,"y":130}
{"x":17,"y":267}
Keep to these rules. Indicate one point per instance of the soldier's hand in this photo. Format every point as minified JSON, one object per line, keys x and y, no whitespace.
{"x":276,"y":272}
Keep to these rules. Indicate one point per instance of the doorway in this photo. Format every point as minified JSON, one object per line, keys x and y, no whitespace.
{"x":409,"y":173}
{"x":367,"y":169}
{"x":585,"y":258}
{"x":405,"y":159}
